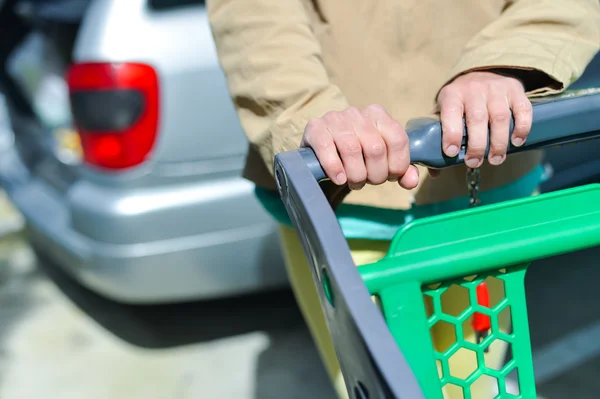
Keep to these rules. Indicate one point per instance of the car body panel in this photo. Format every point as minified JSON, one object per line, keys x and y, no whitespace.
{"x":183,"y":225}
{"x":178,"y":43}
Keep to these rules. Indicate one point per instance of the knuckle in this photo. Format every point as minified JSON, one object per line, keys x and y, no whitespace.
{"x":500,"y":116}
{"x":452,"y":108}
{"x":332,"y":164}
{"x":522,"y":128}
{"x":498,"y":148}
{"x":477,"y":116}
{"x":448,"y":90}
{"x":474,"y":86}
{"x":399,"y":167}
{"x":352,"y":112}
{"x":332,"y":117}
{"x":321,"y":141}
{"x":495,"y":85}
{"x":349,"y":145}
{"x":397,"y":129}
{"x":358,"y":178}
{"x":516,"y":84}
{"x":476,"y":148}
{"x":523,"y":107}
{"x":451,"y":132}
{"x":394,"y":133}
{"x":398,"y":142}
{"x":376,"y":149}
{"x":378,"y":179}
{"x":313,"y":124}
{"x":376,"y":109}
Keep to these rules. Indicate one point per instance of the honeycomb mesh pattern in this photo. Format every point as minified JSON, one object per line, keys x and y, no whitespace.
{"x":459,"y":320}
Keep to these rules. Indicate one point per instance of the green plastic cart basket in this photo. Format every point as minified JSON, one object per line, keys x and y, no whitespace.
{"x":386,"y":351}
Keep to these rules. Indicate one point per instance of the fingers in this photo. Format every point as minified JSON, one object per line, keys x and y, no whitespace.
{"x":410,"y":179}
{"x":487,"y":101}
{"x":451,"y":113}
{"x":374,"y":149}
{"x":515,"y":105}
{"x":350,"y":149}
{"x":395,"y":138}
{"x":523,"y":116}
{"x":499,"y":114}
{"x":476,"y":116}
{"x":361,"y":146}
{"x":319,"y":138}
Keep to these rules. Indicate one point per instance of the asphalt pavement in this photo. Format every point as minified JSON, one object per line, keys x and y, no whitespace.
{"x":59,"y":340}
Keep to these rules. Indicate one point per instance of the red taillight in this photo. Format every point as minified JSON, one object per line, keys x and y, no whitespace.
{"x":115,"y":109}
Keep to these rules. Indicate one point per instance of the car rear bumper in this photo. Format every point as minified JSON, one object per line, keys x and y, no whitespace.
{"x":153,"y":246}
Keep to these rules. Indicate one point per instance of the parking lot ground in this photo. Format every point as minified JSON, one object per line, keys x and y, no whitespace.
{"x":59,"y":340}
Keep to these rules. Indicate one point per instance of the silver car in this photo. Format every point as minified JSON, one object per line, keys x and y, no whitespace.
{"x":146,"y":203}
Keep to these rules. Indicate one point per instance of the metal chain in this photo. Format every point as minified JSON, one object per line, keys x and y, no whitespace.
{"x":473,"y":177}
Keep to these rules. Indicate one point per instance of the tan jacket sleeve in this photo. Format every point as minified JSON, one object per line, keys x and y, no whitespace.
{"x":552,"y":38}
{"x":275,"y":74}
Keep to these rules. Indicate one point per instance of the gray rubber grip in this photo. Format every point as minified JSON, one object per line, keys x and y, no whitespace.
{"x":556,"y":121}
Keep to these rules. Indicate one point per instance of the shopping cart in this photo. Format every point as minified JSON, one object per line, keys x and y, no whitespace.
{"x":386,"y":351}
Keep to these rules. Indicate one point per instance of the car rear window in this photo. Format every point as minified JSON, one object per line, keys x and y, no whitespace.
{"x":165,"y":5}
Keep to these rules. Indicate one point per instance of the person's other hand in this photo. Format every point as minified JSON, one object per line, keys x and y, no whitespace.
{"x":483,"y":98}
{"x":359,"y":146}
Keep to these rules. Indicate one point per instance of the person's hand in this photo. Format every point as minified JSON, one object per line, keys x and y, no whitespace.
{"x":483,"y":98}
{"x":359,"y":146}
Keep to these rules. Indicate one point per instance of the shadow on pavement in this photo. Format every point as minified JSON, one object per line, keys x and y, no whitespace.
{"x":304,"y":377}
{"x":290,"y":364}
{"x":164,"y":326}
{"x":562,"y":297}
{"x":16,"y":299}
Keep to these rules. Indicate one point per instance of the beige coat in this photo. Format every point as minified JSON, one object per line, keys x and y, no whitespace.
{"x":288,"y":61}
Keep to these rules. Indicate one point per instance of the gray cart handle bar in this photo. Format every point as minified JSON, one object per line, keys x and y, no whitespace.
{"x":371,"y":362}
{"x":556,"y":121}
